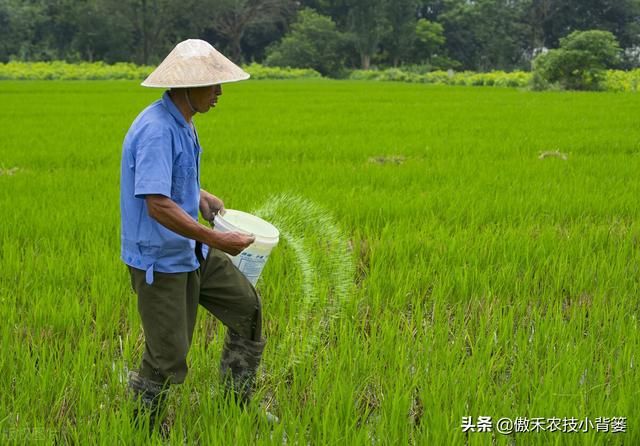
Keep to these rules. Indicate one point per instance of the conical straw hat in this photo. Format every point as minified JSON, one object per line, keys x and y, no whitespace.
{"x":194,"y":63}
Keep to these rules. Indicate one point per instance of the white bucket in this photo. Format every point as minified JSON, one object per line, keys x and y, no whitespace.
{"x":251,"y":261}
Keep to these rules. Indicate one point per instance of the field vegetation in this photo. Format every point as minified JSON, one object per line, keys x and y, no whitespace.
{"x":446,"y":252}
{"x":613,"y":80}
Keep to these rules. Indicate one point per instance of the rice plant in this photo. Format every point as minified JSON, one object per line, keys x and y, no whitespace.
{"x":446,"y":253}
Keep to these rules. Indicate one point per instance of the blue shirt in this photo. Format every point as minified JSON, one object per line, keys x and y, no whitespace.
{"x":160,"y":155}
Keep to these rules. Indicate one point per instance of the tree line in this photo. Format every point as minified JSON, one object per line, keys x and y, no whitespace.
{"x":478,"y":35}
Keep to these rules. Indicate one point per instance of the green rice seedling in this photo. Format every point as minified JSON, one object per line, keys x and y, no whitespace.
{"x":469,"y":279}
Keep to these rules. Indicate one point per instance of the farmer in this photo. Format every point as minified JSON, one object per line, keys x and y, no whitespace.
{"x":175,"y":262}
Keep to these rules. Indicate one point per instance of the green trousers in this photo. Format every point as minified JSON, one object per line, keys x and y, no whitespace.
{"x":168,"y":309}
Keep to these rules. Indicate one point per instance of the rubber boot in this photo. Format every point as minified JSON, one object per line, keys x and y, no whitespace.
{"x":238,"y":367}
{"x":152,"y":397}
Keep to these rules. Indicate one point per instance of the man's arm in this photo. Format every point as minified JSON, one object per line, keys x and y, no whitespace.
{"x":166,"y":212}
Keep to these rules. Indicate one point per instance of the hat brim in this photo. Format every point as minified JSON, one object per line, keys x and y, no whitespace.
{"x":194,"y":63}
{"x":147,"y":83}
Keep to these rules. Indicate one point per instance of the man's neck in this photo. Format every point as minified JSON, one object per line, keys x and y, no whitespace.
{"x":180,"y":100}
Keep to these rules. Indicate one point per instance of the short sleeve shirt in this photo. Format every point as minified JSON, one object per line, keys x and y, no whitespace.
{"x":160,"y":155}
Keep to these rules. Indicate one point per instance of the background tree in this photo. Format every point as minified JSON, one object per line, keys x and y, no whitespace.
{"x":258,"y":38}
{"x":22,"y":25}
{"x":101,"y":31}
{"x":485,"y":34}
{"x":579,"y":63}
{"x":367,"y":23}
{"x":620,"y":17}
{"x":538,"y":16}
{"x":150,"y":20}
{"x":480,"y":34}
{"x":430,"y":38}
{"x":338,"y":10}
{"x":400,"y":38}
{"x":232,"y":19}
{"x":314,"y":42}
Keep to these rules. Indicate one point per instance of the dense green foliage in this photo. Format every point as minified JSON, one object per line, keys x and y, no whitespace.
{"x":580,"y":63}
{"x":429,"y":40}
{"x":66,"y":71}
{"x":101,"y":71}
{"x":617,"y":80}
{"x":480,"y":35}
{"x":260,"y":72}
{"x":469,"y":78}
{"x":613,"y":80}
{"x":494,"y":234}
{"x":313,"y":43}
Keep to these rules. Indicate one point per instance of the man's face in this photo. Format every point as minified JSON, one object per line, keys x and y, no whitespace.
{"x":204,"y":98}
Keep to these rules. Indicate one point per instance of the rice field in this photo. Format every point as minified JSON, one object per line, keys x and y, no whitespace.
{"x":446,"y":252}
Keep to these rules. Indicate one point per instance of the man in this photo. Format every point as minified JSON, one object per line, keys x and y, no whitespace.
{"x":162,"y":242}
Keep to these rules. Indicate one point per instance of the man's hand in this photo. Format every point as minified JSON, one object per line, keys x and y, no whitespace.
{"x":231,"y":242}
{"x":210,"y":205}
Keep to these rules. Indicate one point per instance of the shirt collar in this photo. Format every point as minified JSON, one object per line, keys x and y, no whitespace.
{"x":171,"y":107}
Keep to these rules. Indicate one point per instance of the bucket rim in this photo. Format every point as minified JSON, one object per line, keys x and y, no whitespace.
{"x":269,"y":239}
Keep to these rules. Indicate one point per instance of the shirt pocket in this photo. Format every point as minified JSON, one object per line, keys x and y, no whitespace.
{"x":183,"y":176}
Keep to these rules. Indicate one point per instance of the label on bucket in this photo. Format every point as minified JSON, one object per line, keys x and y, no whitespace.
{"x":251,"y":265}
